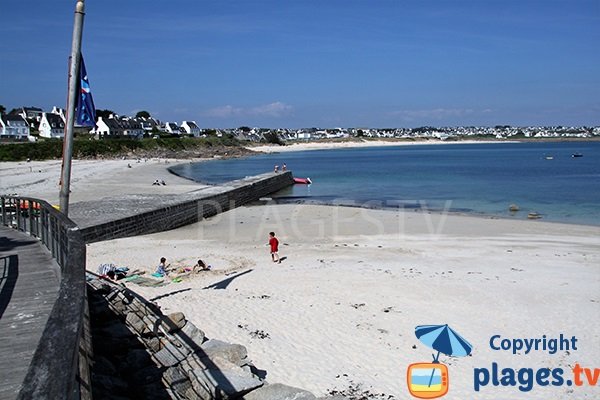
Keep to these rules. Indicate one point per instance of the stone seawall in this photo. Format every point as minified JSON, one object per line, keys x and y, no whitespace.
{"x":133,"y":215}
{"x":142,"y":353}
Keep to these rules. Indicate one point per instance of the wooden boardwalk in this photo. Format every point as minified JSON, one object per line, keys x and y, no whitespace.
{"x":29,"y":283}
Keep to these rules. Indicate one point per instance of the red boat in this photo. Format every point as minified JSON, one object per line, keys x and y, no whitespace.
{"x":302,"y":181}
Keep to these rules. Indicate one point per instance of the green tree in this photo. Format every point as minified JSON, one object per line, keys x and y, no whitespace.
{"x":272,"y":137}
{"x":142,"y":114}
{"x":2,"y":109}
{"x":103,"y":113}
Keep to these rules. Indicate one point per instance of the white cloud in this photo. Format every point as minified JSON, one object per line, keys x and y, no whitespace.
{"x":276,"y":110}
{"x":223,"y":112}
{"x":436,"y":113}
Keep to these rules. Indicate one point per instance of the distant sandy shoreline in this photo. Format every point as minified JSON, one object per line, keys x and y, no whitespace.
{"x":318,"y":145}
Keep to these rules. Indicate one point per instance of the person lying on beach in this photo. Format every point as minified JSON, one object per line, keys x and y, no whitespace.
{"x":112,"y":272}
{"x":104,"y":269}
{"x":110,"y":275}
{"x":200,"y":266}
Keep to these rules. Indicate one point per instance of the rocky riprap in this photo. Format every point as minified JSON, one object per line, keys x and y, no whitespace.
{"x":139,"y":353}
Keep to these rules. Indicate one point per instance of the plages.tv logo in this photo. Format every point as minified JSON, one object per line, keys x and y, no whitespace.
{"x":429,"y":380}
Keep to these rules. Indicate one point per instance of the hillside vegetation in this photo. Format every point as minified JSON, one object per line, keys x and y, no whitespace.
{"x":86,"y":148}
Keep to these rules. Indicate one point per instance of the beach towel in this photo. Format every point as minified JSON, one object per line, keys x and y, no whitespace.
{"x":146,"y":282}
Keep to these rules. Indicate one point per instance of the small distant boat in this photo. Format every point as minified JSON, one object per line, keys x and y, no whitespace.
{"x":534,"y":215}
{"x":549,"y":157}
{"x":513,"y":208}
{"x":576,"y":155}
{"x":302,"y":181}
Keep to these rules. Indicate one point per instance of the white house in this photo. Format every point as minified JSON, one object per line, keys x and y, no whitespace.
{"x":32,"y":113}
{"x":52,"y":126}
{"x":148,"y":124}
{"x":303,"y":135}
{"x":13,"y":127}
{"x":59,"y":111}
{"x":191,"y":128}
{"x":109,"y":127}
{"x":172,"y":128}
{"x":131,"y":128}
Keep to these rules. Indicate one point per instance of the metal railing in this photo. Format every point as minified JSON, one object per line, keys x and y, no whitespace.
{"x":59,"y":366}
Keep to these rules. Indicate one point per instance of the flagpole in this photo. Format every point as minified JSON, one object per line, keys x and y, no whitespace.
{"x":65,"y":179}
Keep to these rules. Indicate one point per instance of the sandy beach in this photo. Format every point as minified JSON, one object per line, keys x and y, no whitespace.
{"x":322,"y":145}
{"x":340,"y":311}
{"x":93,"y":179}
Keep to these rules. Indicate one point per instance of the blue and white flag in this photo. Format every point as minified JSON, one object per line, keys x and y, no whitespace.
{"x":84,"y":110}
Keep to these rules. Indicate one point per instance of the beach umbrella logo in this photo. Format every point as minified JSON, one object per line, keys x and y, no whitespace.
{"x":429,"y":380}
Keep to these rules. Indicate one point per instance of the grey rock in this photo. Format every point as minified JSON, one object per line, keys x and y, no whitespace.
{"x":174,"y":321}
{"x":196,"y":363}
{"x":119,"y":307}
{"x":146,"y":376}
{"x":137,"y":324}
{"x":152,"y":343}
{"x":235,"y":353}
{"x":177,"y":380}
{"x":277,"y":391}
{"x":198,"y":390}
{"x":223,"y":384}
{"x":174,"y":375}
{"x":190,"y":332}
{"x":171,"y":355}
{"x":153,"y":323}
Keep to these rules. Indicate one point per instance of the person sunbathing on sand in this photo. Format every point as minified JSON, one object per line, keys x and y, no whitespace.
{"x":162,"y":268}
{"x":200,"y":266}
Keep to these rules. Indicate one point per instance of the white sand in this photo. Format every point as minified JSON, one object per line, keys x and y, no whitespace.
{"x":92,"y":179}
{"x":342,"y":308}
{"x":319,"y":145}
{"x":356,"y":283}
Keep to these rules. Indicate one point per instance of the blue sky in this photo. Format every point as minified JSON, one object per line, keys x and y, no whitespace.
{"x":305,"y":63}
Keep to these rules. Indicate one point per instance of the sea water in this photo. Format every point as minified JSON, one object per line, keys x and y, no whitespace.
{"x":480,"y":178}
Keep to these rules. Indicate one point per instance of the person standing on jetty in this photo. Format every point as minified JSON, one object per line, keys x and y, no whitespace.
{"x":274,"y":244}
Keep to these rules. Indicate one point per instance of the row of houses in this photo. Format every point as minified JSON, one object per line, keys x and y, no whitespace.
{"x":15,"y":127}
{"x":115,"y":126}
{"x":21,"y":123}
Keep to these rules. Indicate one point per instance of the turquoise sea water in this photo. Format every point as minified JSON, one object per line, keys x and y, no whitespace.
{"x":472,"y":178}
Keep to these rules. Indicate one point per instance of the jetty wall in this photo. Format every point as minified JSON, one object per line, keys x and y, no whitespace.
{"x":151,"y":214}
